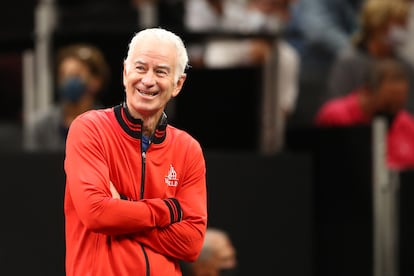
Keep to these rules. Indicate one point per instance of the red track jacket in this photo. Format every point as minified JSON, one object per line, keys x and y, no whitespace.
{"x":163,"y":214}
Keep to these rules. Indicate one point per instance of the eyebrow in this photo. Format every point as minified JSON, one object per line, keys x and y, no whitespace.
{"x":161,"y":66}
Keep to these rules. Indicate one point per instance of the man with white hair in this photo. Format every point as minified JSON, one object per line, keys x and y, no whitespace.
{"x":135,"y":198}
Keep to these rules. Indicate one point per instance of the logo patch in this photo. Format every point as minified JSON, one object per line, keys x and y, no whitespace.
{"x":171,"y":179}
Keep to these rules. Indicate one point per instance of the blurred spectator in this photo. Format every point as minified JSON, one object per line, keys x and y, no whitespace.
{"x":82,"y":73}
{"x":251,"y":34}
{"x":166,"y":13}
{"x":255,"y":17}
{"x":217,"y":257}
{"x":208,"y":16}
{"x":323,"y":27}
{"x":318,"y":30}
{"x":380,"y":33}
{"x":384,"y":93}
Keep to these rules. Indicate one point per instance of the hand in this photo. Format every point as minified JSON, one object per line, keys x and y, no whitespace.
{"x":113,"y":190}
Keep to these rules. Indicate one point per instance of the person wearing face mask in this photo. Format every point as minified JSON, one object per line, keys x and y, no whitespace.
{"x":381,"y":32}
{"x":383,"y":93}
{"x":217,"y":256}
{"x":82,"y":74}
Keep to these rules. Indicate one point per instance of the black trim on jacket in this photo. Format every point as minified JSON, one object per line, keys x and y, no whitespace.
{"x":125,"y":119}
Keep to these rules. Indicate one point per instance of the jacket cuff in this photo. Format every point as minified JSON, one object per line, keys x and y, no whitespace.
{"x":176,"y":213}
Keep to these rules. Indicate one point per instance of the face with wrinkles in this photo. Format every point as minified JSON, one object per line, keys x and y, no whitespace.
{"x":149,"y":77}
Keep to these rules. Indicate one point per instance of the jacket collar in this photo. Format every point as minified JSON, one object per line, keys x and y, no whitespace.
{"x":133,"y":127}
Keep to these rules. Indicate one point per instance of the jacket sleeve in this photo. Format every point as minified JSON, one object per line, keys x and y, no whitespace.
{"x":183,"y":240}
{"x":87,"y":180}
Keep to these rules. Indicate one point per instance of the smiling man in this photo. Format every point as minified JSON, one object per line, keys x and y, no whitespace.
{"x":135,"y":199}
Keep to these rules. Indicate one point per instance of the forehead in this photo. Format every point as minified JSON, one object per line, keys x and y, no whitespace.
{"x":152,"y":49}
{"x":73,"y":65}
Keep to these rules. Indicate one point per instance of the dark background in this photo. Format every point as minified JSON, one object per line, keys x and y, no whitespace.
{"x":306,"y":211}
{"x":302,"y":212}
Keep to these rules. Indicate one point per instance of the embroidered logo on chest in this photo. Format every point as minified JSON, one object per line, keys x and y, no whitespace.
{"x":171,"y":179}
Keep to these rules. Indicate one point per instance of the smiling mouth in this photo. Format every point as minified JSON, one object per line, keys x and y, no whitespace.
{"x":145,"y":93}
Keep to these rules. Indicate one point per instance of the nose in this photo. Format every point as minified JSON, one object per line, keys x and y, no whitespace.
{"x":148,"y":79}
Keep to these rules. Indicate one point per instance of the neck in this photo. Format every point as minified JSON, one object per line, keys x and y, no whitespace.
{"x":149,"y":122}
{"x":149,"y":125}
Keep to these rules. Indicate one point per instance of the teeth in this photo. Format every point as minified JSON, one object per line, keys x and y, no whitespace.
{"x":147,"y":93}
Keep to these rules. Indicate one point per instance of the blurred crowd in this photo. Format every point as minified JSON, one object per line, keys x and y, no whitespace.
{"x":319,"y":49}
{"x":334,"y":63}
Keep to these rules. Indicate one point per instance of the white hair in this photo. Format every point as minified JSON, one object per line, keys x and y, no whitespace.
{"x":165,"y":36}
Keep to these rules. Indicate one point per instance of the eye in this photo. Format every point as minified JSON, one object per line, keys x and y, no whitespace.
{"x":162,"y":72}
{"x":140,"y":68}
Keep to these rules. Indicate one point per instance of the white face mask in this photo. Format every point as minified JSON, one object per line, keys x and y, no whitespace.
{"x":397,"y":36}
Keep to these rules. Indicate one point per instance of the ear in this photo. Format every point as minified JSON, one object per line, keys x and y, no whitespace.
{"x":124,"y":74}
{"x":179,"y":85}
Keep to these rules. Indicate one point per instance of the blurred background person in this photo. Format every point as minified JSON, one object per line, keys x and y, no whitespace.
{"x":207,"y":17}
{"x":318,"y":30}
{"x":266,"y":17}
{"x":254,"y":17}
{"x":217,"y":257}
{"x":383,"y":93}
{"x":82,"y":74}
{"x":322,"y":28}
{"x":381,"y":31}
{"x":252,"y":34}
